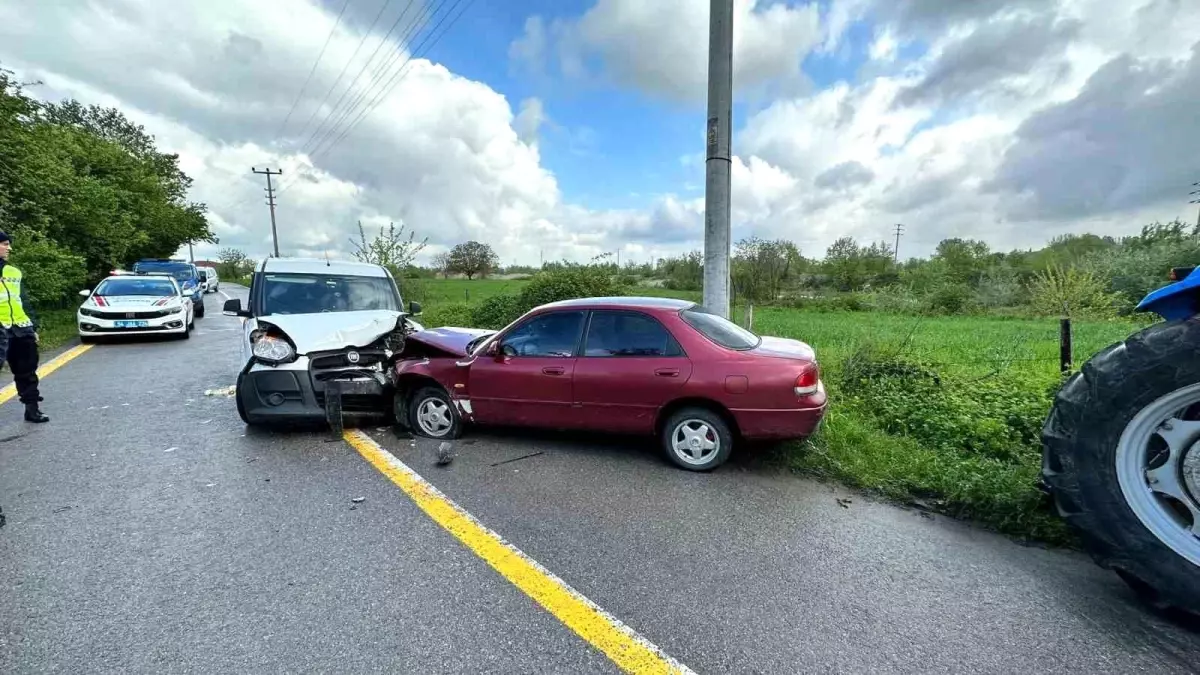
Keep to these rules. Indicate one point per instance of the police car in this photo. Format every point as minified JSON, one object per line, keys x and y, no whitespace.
{"x":132,"y":303}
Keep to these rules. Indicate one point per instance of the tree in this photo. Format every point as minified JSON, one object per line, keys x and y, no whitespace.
{"x":233,"y":263}
{"x":87,"y":184}
{"x":1071,"y":292}
{"x":389,"y":248}
{"x":851,"y":267}
{"x":441,"y":264}
{"x":473,"y":258}
{"x":761,"y":267}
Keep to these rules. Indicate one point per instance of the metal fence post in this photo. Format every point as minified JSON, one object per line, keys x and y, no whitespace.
{"x":1064,"y":345}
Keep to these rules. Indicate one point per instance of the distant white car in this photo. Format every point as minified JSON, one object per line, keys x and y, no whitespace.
{"x":209,"y":278}
{"x":135,"y":304}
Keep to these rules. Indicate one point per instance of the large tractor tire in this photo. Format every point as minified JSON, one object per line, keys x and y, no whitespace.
{"x":1121,"y":457}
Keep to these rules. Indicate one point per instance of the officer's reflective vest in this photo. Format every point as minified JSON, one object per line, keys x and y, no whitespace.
{"x":12,"y":311}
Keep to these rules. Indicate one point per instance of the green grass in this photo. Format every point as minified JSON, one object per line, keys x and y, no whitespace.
{"x":57,"y":328}
{"x":853,"y":446}
{"x":434,"y":292}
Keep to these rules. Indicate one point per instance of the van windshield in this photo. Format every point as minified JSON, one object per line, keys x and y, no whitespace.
{"x":314,"y":293}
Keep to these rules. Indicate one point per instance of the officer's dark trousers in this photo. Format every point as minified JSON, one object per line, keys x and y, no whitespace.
{"x":20,"y":352}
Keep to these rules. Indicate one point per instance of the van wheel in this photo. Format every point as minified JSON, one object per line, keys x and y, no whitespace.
{"x":697,"y":439}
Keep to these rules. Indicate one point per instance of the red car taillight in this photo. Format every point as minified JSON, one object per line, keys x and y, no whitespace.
{"x":808,"y":381}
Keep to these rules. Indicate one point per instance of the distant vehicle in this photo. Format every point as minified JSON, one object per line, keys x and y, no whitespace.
{"x":318,"y":340}
{"x":1121,"y":451}
{"x":652,"y":366}
{"x":184,"y":272}
{"x":135,"y":304}
{"x":209,"y":280}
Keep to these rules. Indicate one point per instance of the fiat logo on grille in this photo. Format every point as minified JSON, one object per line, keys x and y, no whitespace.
{"x":129,"y":315}
{"x":352,"y":357}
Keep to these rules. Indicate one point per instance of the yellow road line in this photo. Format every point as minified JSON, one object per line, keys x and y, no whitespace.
{"x":8,"y":392}
{"x":631,"y":652}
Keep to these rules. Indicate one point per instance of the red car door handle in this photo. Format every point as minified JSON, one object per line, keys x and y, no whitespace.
{"x":554,"y":370}
{"x":667,"y":372}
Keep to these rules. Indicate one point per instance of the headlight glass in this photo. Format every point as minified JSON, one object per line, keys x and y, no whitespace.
{"x":274,"y":349}
{"x":174,"y":310}
{"x":86,"y":312}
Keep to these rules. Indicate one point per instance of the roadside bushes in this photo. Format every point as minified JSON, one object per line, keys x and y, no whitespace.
{"x":932,"y":438}
{"x":997,"y":417}
{"x":563,"y":283}
{"x":52,"y":274}
{"x":457,"y":314}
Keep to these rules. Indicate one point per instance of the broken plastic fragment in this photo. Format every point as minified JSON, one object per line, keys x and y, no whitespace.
{"x":445,"y":453}
{"x":222,"y":391}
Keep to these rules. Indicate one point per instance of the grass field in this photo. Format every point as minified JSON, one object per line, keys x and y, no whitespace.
{"x":57,"y":328}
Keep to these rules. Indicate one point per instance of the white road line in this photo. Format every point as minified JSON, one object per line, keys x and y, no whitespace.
{"x":224,"y":294}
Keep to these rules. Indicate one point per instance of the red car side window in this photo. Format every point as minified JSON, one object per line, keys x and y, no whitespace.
{"x":623,"y":333}
{"x":553,"y":334}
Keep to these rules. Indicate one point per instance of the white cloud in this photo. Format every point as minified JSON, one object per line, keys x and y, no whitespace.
{"x":1024,"y":119}
{"x":662,"y":47}
{"x":446,"y":155}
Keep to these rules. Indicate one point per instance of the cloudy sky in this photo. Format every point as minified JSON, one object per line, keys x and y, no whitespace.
{"x":566,"y":128}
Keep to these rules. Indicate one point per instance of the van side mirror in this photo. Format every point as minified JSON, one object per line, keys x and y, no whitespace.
{"x":233,"y":307}
{"x":414,"y":308}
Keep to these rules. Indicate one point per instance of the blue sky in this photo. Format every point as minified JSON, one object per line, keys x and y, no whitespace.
{"x":610,"y":147}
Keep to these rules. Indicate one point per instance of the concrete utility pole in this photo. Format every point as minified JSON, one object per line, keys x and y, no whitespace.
{"x":191,"y":256}
{"x":718,"y":157}
{"x":271,"y":202}
{"x":896,"y":251}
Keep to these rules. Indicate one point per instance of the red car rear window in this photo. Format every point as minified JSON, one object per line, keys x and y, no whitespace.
{"x":720,"y":330}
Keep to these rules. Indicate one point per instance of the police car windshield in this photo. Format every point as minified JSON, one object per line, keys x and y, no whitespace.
{"x":136,"y":286}
{"x":315,"y":293}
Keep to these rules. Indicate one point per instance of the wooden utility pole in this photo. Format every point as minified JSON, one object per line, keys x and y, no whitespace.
{"x":271,"y":202}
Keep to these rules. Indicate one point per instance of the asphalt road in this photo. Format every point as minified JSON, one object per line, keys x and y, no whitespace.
{"x":150,"y":531}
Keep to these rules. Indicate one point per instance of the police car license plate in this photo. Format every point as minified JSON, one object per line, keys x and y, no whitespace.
{"x":132,"y":324}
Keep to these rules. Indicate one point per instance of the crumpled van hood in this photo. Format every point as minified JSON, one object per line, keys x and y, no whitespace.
{"x":326,"y":331}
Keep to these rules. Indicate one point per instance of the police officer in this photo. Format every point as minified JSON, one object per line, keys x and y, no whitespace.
{"x":18,"y":335}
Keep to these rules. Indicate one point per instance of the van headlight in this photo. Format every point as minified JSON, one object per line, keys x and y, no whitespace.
{"x":270,"y":348}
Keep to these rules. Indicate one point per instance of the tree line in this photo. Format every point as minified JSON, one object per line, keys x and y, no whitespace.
{"x":1075,"y":274}
{"x":83,"y":190}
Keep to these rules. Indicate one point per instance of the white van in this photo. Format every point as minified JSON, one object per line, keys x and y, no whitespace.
{"x":209,"y":278}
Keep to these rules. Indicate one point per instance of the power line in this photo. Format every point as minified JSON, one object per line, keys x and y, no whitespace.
{"x":391,"y":84}
{"x":333,"y":86}
{"x":349,"y":88}
{"x":316,"y":149}
{"x":321,"y":55}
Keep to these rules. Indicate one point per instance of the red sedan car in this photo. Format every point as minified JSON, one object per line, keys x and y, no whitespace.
{"x":632,"y":365}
